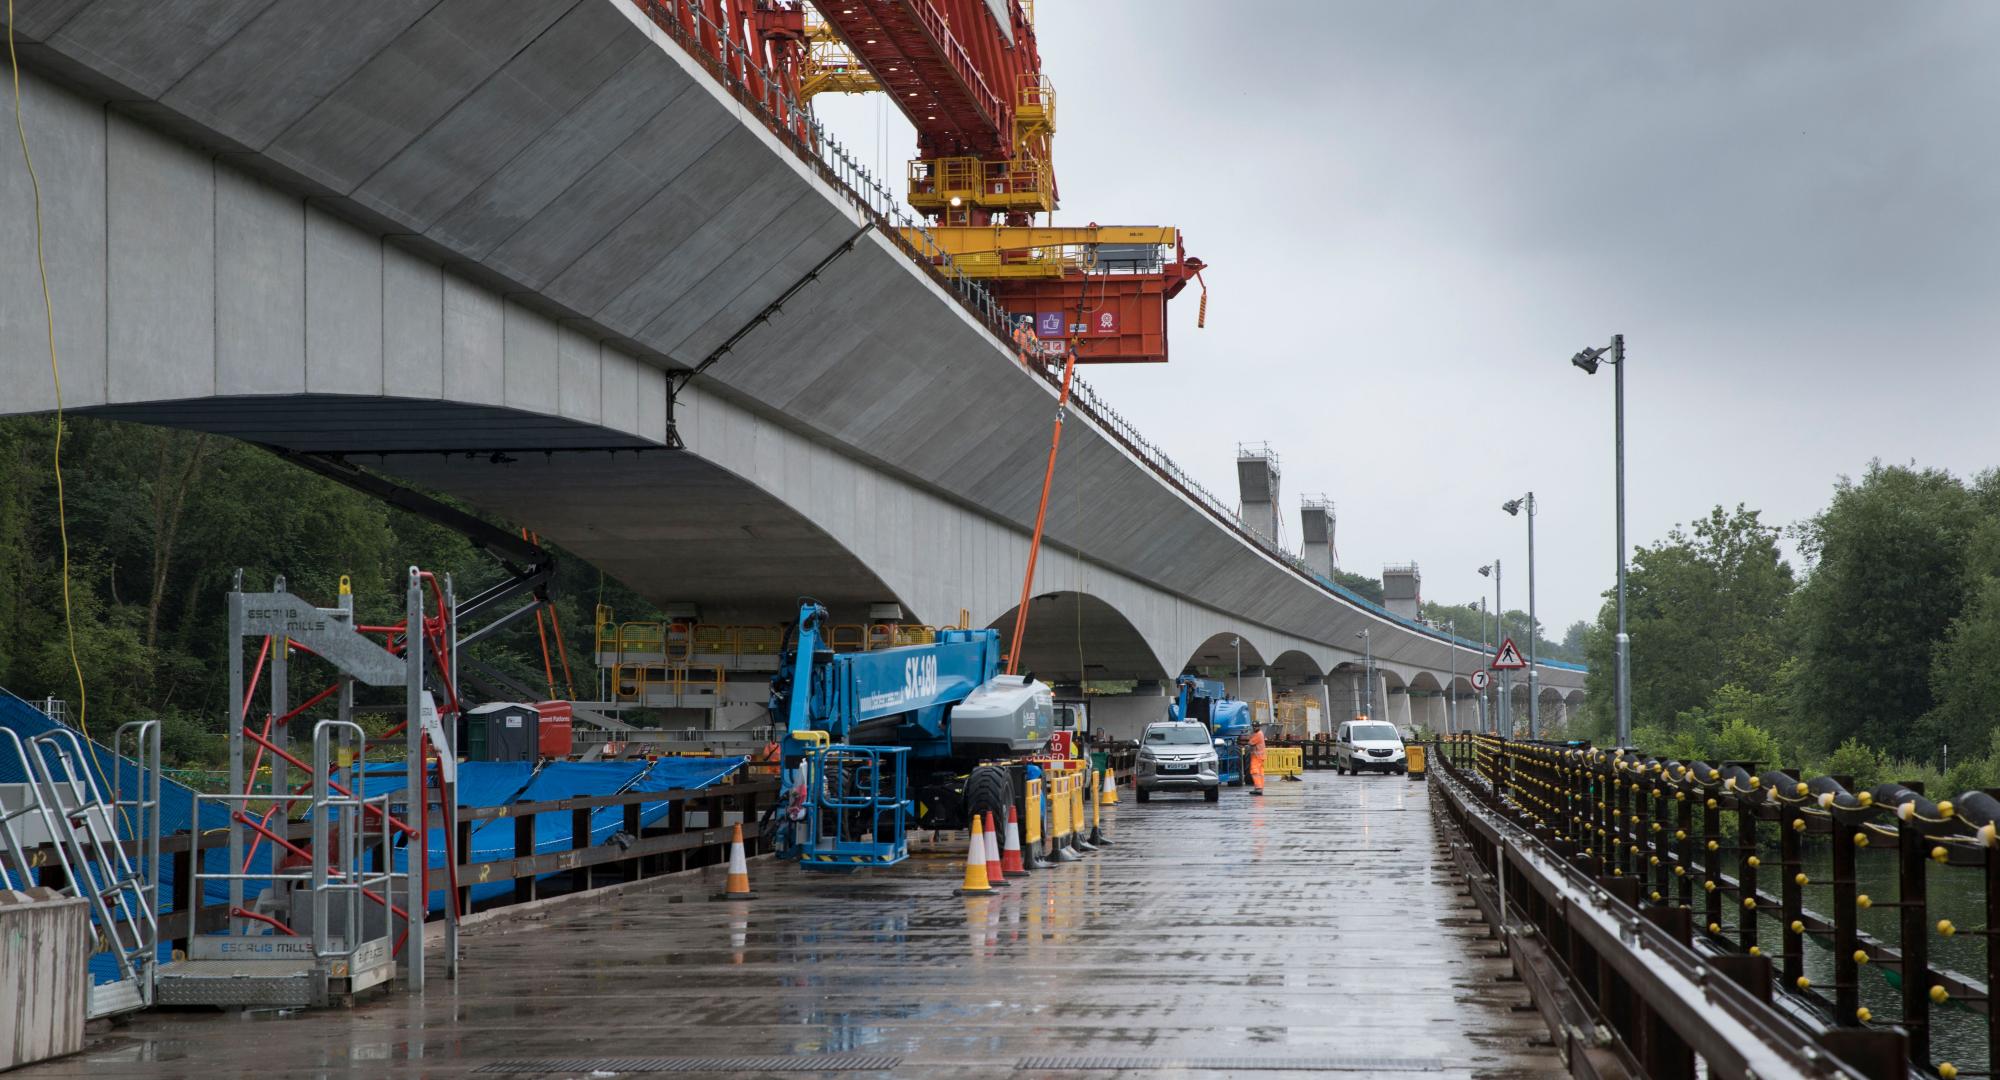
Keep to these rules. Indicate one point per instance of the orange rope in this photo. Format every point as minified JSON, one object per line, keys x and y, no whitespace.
{"x":541,"y":629}
{"x":562,"y":650}
{"x":1041,"y":516}
{"x":548,"y":669}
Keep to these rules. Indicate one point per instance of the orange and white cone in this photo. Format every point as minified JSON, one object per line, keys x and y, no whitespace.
{"x":1109,"y":794}
{"x":975,"y":866}
{"x":1010,"y":852}
{"x":738,"y":886}
{"x":995,"y":876}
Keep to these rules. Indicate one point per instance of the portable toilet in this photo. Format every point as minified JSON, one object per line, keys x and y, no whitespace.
{"x":502,"y":731}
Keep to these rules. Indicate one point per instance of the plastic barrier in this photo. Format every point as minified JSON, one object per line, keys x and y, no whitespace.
{"x":1285,"y":761}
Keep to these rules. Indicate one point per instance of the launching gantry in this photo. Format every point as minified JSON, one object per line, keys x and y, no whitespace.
{"x":968,"y":75}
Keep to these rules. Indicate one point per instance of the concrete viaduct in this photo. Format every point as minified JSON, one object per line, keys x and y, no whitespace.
{"x":479,"y":251}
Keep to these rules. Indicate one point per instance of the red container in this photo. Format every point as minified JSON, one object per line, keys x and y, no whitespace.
{"x":557,"y":733}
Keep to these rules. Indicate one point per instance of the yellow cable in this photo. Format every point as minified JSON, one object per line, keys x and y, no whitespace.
{"x":55,"y":370}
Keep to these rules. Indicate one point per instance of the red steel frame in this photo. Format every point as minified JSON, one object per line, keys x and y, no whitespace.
{"x":433,"y":630}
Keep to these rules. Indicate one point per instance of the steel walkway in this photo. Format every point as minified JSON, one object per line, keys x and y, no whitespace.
{"x":1319,"y":930}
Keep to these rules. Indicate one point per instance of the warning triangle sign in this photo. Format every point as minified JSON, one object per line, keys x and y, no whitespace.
{"x":1509,"y":658}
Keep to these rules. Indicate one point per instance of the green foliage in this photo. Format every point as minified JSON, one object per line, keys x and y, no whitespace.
{"x":1867,"y":765}
{"x":1889,"y":580}
{"x":1740,"y":740}
{"x":1705,"y":609}
{"x":1969,"y":774}
{"x":1368,"y":588}
{"x":1684,"y":744}
{"x":1467,"y":620}
{"x":160,"y":520}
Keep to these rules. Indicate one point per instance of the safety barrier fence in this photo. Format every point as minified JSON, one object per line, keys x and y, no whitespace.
{"x":722,"y":47}
{"x":1285,"y":760}
{"x":1314,"y":754}
{"x":672,"y":844}
{"x":1669,"y":855}
{"x":655,"y":684}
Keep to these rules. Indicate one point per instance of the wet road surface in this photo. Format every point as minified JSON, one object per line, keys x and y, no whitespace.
{"x":1317,"y":930}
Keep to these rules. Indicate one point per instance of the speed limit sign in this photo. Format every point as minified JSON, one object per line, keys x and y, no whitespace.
{"x":1480,"y":679}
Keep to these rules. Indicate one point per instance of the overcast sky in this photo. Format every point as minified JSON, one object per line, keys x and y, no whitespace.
{"x":1417,"y":211}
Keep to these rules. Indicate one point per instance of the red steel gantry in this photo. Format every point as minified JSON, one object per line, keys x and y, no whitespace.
{"x":968,"y":75}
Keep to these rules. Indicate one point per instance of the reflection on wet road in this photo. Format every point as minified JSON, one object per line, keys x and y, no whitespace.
{"x":1315,"y":929}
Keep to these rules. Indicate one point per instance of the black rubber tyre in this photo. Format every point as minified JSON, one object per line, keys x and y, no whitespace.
{"x":1142,"y":794}
{"x":989,"y":788}
{"x":1213,"y":794}
{"x":1341,"y":769}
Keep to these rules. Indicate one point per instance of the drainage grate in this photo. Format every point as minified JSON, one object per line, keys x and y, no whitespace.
{"x":768,"y":1063}
{"x":1241,"y":1064}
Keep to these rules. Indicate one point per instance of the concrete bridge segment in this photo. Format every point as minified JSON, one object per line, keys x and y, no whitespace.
{"x":478,"y":247}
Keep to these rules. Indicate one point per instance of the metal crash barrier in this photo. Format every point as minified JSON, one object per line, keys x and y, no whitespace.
{"x":1627,"y":891}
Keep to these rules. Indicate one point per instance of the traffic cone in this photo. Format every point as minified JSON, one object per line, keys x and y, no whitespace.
{"x":995,"y":876}
{"x":1110,"y":788}
{"x":738,"y":886}
{"x":1097,"y":838}
{"x":975,"y":866}
{"x":1010,"y":851}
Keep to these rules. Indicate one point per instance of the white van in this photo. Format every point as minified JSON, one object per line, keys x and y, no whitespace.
{"x":1365,"y":745}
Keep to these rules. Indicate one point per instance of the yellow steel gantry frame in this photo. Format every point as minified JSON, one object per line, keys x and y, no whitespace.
{"x":828,"y":67}
{"x":1037,"y":251}
{"x":951,"y":187}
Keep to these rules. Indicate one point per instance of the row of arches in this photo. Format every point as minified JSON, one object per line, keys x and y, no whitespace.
{"x":1073,"y":639}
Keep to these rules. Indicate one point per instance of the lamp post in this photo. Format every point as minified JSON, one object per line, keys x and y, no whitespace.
{"x":1481,"y":697}
{"x":1238,"y":643}
{"x":1451,"y":631}
{"x":1503,"y":711}
{"x":1368,"y":675}
{"x":1588,"y":361}
{"x":1513,"y":507}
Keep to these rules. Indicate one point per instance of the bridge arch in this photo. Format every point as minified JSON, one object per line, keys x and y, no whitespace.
{"x":1075,"y":637}
{"x":1217,"y":655}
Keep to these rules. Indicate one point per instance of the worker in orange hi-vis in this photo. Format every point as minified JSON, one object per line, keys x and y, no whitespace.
{"x":1257,"y":759}
{"x":768,"y":758}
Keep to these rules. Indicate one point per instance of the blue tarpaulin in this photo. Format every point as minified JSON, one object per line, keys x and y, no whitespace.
{"x":480,"y":783}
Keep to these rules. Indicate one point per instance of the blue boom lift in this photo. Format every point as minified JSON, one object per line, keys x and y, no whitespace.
{"x":877,"y":741}
{"x":1227,"y":719}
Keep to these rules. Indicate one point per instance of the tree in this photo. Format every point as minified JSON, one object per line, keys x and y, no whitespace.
{"x":1706,"y":609}
{"x":1368,"y":588}
{"x":159,"y":521}
{"x":1889,"y":577}
{"x":1575,"y":639}
{"x":1466,"y":619}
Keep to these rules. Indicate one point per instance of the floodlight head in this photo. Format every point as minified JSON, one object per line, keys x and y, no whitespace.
{"x":1486,"y":571}
{"x":1588,"y":359}
{"x":1512,"y":506}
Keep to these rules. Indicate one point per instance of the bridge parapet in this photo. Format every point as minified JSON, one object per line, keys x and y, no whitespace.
{"x":1610,"y":864}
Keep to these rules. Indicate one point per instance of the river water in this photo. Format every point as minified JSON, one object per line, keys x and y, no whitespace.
{"x":1955,"y":893}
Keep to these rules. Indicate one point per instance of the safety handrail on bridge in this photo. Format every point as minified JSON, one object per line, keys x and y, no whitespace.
{"x":1689,"y":839}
